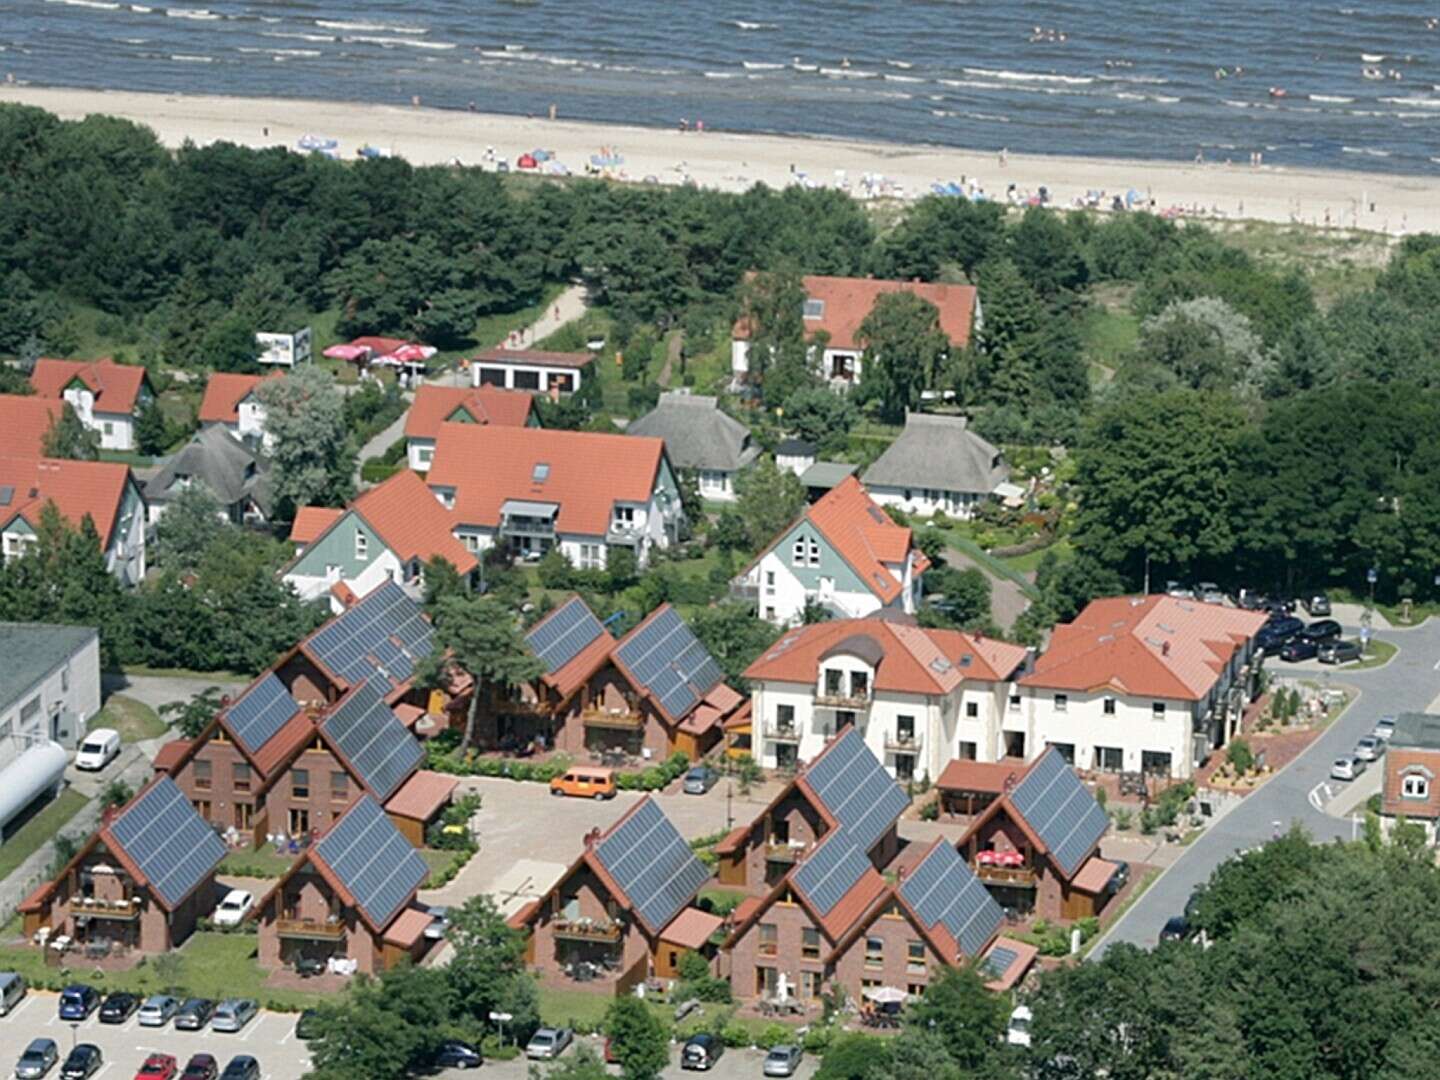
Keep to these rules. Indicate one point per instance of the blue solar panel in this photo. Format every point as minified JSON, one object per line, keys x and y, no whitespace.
{"x":831,"y":871}
{"x":654,"y":866}
{"x":669,"y":661}
{"x":376,"y":744}
{"x":944,"y":892}
{"x":260,"y":712}
{"x":559,"y":637}
{"x":1061,"y":810}
{"x":381,"y":636}
{"x":172,"y":845}
{"x":375,"y":863}
{"x":999,"y":960}
{"x":856,"y":789}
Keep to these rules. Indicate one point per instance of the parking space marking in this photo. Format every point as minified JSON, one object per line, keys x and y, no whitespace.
{"x":29,"y":1000}
{"x":104,"y":1069}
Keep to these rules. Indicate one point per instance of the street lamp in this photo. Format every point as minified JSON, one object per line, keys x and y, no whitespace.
{"x":74,"y":1033}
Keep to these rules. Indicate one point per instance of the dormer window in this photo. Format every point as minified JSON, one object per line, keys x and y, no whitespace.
{"x":814,"y":309}
{"x":1415,"y":786}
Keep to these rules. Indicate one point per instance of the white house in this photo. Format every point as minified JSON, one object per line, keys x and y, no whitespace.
{"x":834,"y":308}
{"x":531,"y":489}
{"x":532,"y":369}
{"x":920,"y":698}
{"x":436,"y":405}
{"x":1146,"y":684}
{"x":795,"y":455}
{"x":106,"y":492}
{"x":699,"y":436}
{"x":106,"y":396}
{"x":231,"y":401}
{"x":844,"y":554}
{"x":937,"y":465}
{"x":49,"y":685}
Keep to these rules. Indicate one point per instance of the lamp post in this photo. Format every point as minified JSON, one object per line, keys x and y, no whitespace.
{"x":74,"y":1033}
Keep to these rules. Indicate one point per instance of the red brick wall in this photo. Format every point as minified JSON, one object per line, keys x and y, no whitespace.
{"x":307,"y":896}
{"x":550,"y":953}
{"x":804,"y":824}
{"x":895,"y":933}
{"x":221,"y":795}
{"x":324,"y":804}
{"x":1004,"y":835}
{"x":1398,"y":761}
{"x":745,"y":957}
{"x":305,"y":681}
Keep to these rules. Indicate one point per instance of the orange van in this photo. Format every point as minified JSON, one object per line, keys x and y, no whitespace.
{"x":585,"y":782}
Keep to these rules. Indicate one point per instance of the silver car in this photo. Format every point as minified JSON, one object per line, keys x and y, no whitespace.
{"x":157,"y":1010}
{"x":37,"y":1060}
{"x":548,"y":1043}
{"x":1346,"y":768}
{"x":1384,"y":727}
{"x":783,"y":1060}
{"x":1369,"y":748}
{"x":233,"y":1014}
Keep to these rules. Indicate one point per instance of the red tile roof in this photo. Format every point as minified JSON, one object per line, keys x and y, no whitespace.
{"x":849,"y":300}
{"x":412,"y":522}
{"x":24,"y":423}
{"x":588,"y":472}
{"x":1024,"y":956}
{"x":535,"y":358}
{"x":285,"y":743}
{"x":116,"y":386}
{"x":911,"y":660}
{"x":170,"y":755}
{"x":692,"y":928}
{"x":983,"y":776}
{"x":434,"y":405}
{"x":1094,"y":875}
{"x":405,"y":929}
{"x":422,"y":795}
{"x":1151,"y":646}
{"x":77,"y":488}
{"x":223,"y":394}
{"x":311,"y":522}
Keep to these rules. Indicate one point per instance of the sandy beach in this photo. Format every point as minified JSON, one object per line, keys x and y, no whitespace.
{"x":733,"y":162}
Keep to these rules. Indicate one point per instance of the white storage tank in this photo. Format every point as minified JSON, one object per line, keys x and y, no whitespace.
{"x":36,"y":772}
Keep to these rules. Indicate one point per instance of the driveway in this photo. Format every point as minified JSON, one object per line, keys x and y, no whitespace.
{"x":565,"y":308}
{"x":1007,"y":601}
{"x":1408,"y":683}
{"x":158,"y":690}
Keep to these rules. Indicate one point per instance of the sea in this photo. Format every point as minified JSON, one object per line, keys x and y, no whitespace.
{"x":1348,"y":85}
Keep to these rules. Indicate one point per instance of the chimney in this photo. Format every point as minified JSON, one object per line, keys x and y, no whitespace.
{"x":1164,"y":648}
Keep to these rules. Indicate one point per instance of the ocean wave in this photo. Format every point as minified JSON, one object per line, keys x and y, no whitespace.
{"x":102,"y":5}
{"x":849,"y":73}
{"x":743,"y":25}
{"x":805,"y":67}
{"x":1148,"y":80}
{"x":296,"y":37}
{"x":903,"y":78}
{"x":1031,"y":76}
{"x":1332,"y":99}
{"x":141,"y":9}
{"x":905,"y":65}
{"x":191,"y":58}
{"x":370,"y":28}
{"x":760,"y":65}
{"x":1130,"y":97}
{"x":282,"y":52}
{"x":388,"y":41}
{"x":722,"y":74}
{"x":1367,"y":151}
{"x":1428,"y":103}
{"x":1164,"y":99}
{"x":202,"y":14}
{"x":993,"y":118}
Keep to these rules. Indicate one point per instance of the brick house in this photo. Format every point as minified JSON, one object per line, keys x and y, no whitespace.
{"x":350,"y":897}
{"x":1412,"y":764}
{"x":622,"y":911}
{"x":141,"y":882}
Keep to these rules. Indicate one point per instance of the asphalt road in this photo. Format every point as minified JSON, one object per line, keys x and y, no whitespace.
{"x":1408,"y":683}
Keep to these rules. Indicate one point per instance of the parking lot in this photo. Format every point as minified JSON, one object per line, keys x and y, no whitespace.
{"x":733,"y":1065}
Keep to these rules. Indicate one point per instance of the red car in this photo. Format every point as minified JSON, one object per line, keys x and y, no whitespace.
{"x":158,"y":1067}
{"x":201,"y":1067}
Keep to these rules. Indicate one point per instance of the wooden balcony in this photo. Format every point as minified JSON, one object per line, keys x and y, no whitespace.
{"x":126,"y":910}
{"x":1017,"y":877}
{"x":784,"y":853}
{"x":602,"y":930}
{"x":311,"y":929}
{"x":618,"y":721}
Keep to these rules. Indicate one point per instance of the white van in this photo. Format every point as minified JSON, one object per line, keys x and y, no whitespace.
{"x":12,"y":991}
{"x":100,"y":748}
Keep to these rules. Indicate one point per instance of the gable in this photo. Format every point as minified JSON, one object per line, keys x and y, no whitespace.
{"x":831,"y":564}
{"x":460,"y":416}
{"x":337,"y":548}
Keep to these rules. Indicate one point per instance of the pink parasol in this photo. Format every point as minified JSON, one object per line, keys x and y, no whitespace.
{"x":347,"y":352}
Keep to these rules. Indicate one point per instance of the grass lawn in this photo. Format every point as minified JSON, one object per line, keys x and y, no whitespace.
{"x":1110,"y":332}
{"x":491,"y":330}
{"x":263,"y":863}
{"x":217,"y":677}
{"x":584,"y":1010}
{"x":1027,"y":564}
{"x":132,"y":458}
{"x":29,"y":838}
{"x":134,"y":720}
{"x":1379,"y":653}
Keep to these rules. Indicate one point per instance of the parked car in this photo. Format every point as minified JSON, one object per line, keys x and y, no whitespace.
{"x":82,"y":1062}
{"x":1299,"y":648}
{"x":1321,"y":630}
{"x":39,"y":1058}
{"x":1317,"y":604}
{"x":1272,"y":637}
{"x":241,"y":1067}
{"x":1179,"y":590}
{"x":158,"y":1067}
{"x":454,"y":1054}
{"x":1384,"y":728}
{"x":232,"y":910}
{"x":1118,"y":879}
{"x":1210,"y":593}
{"x":1346,"y":768}
{"x":548,"y":1043}
{"x":1017,"y":1032}
{"x":78,"y":1001}
{"x":1250,"y":600}
{"x":783,"y":1060}
{"x":1281,"y":604}
{"x":118,"y":1006}
{"x":700,"y":779}
{"x":1369,"y":748}
{"x":201,"y":1067}
{"x":232,"y":1014}
{"x":158,"y":1009}
{"x":585,"y":782}
{"x":439,"y":922}
{"x":306,"y":1026}
{"x":194,"y":1014}
{"x":1176,"y":928}
{"x":1339,"y":652}
{"x":701,"y":1052}
{"x":12,"y":991}
{"x":100,"y":747}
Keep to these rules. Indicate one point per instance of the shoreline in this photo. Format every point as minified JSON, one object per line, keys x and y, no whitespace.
{"x":1396,"y":204}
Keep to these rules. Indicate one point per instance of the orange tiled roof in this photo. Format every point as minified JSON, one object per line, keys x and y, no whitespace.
{"x":434,"y":405}
{"x":911,"y":659}
{"x":77,"y":488}
{"x":588,"y":472}
{"x":691,"y":928}
{"x":405,"y":929}
{"x":311,"y":521}
{"x":170,"y":755}
{"x":24,"y":423}
{"x":224,"y":392}
{"x":849,"y":300}
{"x":1154,"y":646}
{"x":116,"y":386}
{"x":412,"y":522}
{"x":421,"y":795}
{"x":984,"y":776}
{"x":1094,"y":875}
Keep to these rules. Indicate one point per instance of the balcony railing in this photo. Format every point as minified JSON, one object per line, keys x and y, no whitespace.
{"x":786,"y":733}
{"x":622,"y":721}
{"x":784,"y":853}
{"x":622,"y":532}
{"x":1022,"y":877}
{"x":842,"y":701}
{"x":586,"y":930}
{"x":739,"y":590}
{"x":316,"y":929}
{"x":527,"y":527}
{"x":907,"y":742}
{"x":126,"y":909}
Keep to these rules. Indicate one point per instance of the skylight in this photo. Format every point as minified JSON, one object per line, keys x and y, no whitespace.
{"x":540,"y":473}
{"x":814,"y":309}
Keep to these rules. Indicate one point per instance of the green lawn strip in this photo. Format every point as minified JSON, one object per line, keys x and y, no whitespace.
{"x":1380,"y":652}
{"x":990,"y":564}
{"x":439,"y":861}
{"x":42,"y":827}
{"x":584,"y":1010}
{"x":216,"y":677}
{"x":492,"y":330}
{"x":264,"y":862}
{"x":134,"y":720}
{"x":126,"y":457}
{"x":1029,"y":563}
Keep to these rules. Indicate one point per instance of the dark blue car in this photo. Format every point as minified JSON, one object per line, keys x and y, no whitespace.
{"x":78,"y":1001}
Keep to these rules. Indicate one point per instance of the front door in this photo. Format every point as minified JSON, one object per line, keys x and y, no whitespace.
{"x":299,"y":821}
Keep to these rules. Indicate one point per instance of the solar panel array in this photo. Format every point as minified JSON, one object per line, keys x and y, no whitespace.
{"x":370,"y":737}
{"x":172,"y":845}
{"x":560,"y":637}
{"x":831,"y":871}
{"x":856,"y":789}
{"x":999,"y":961}
{"x":669,"y":661}
{"x":382,"y":635}
{"x":944,"y":892}
{"x":654,"y":866}
{"x":1061,"y":810}
{"x":375,"y":863}
{"x":261,"y":711}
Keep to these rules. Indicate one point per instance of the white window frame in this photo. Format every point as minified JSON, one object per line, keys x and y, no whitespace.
{"x":1414,"y":786}
{"x":1157,"y":710}
{"x":797,"y":553}
{"x":362,"y":547}
{"x":1062,"y":702}
{"x":813,"y":551}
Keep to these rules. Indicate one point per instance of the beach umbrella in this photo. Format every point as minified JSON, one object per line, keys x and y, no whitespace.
{"x":885,"y":995}
{"x":526,"y":161}
{"x":411,"y":352}
{"x":347,"y":352}
{"x":541,"y":155}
